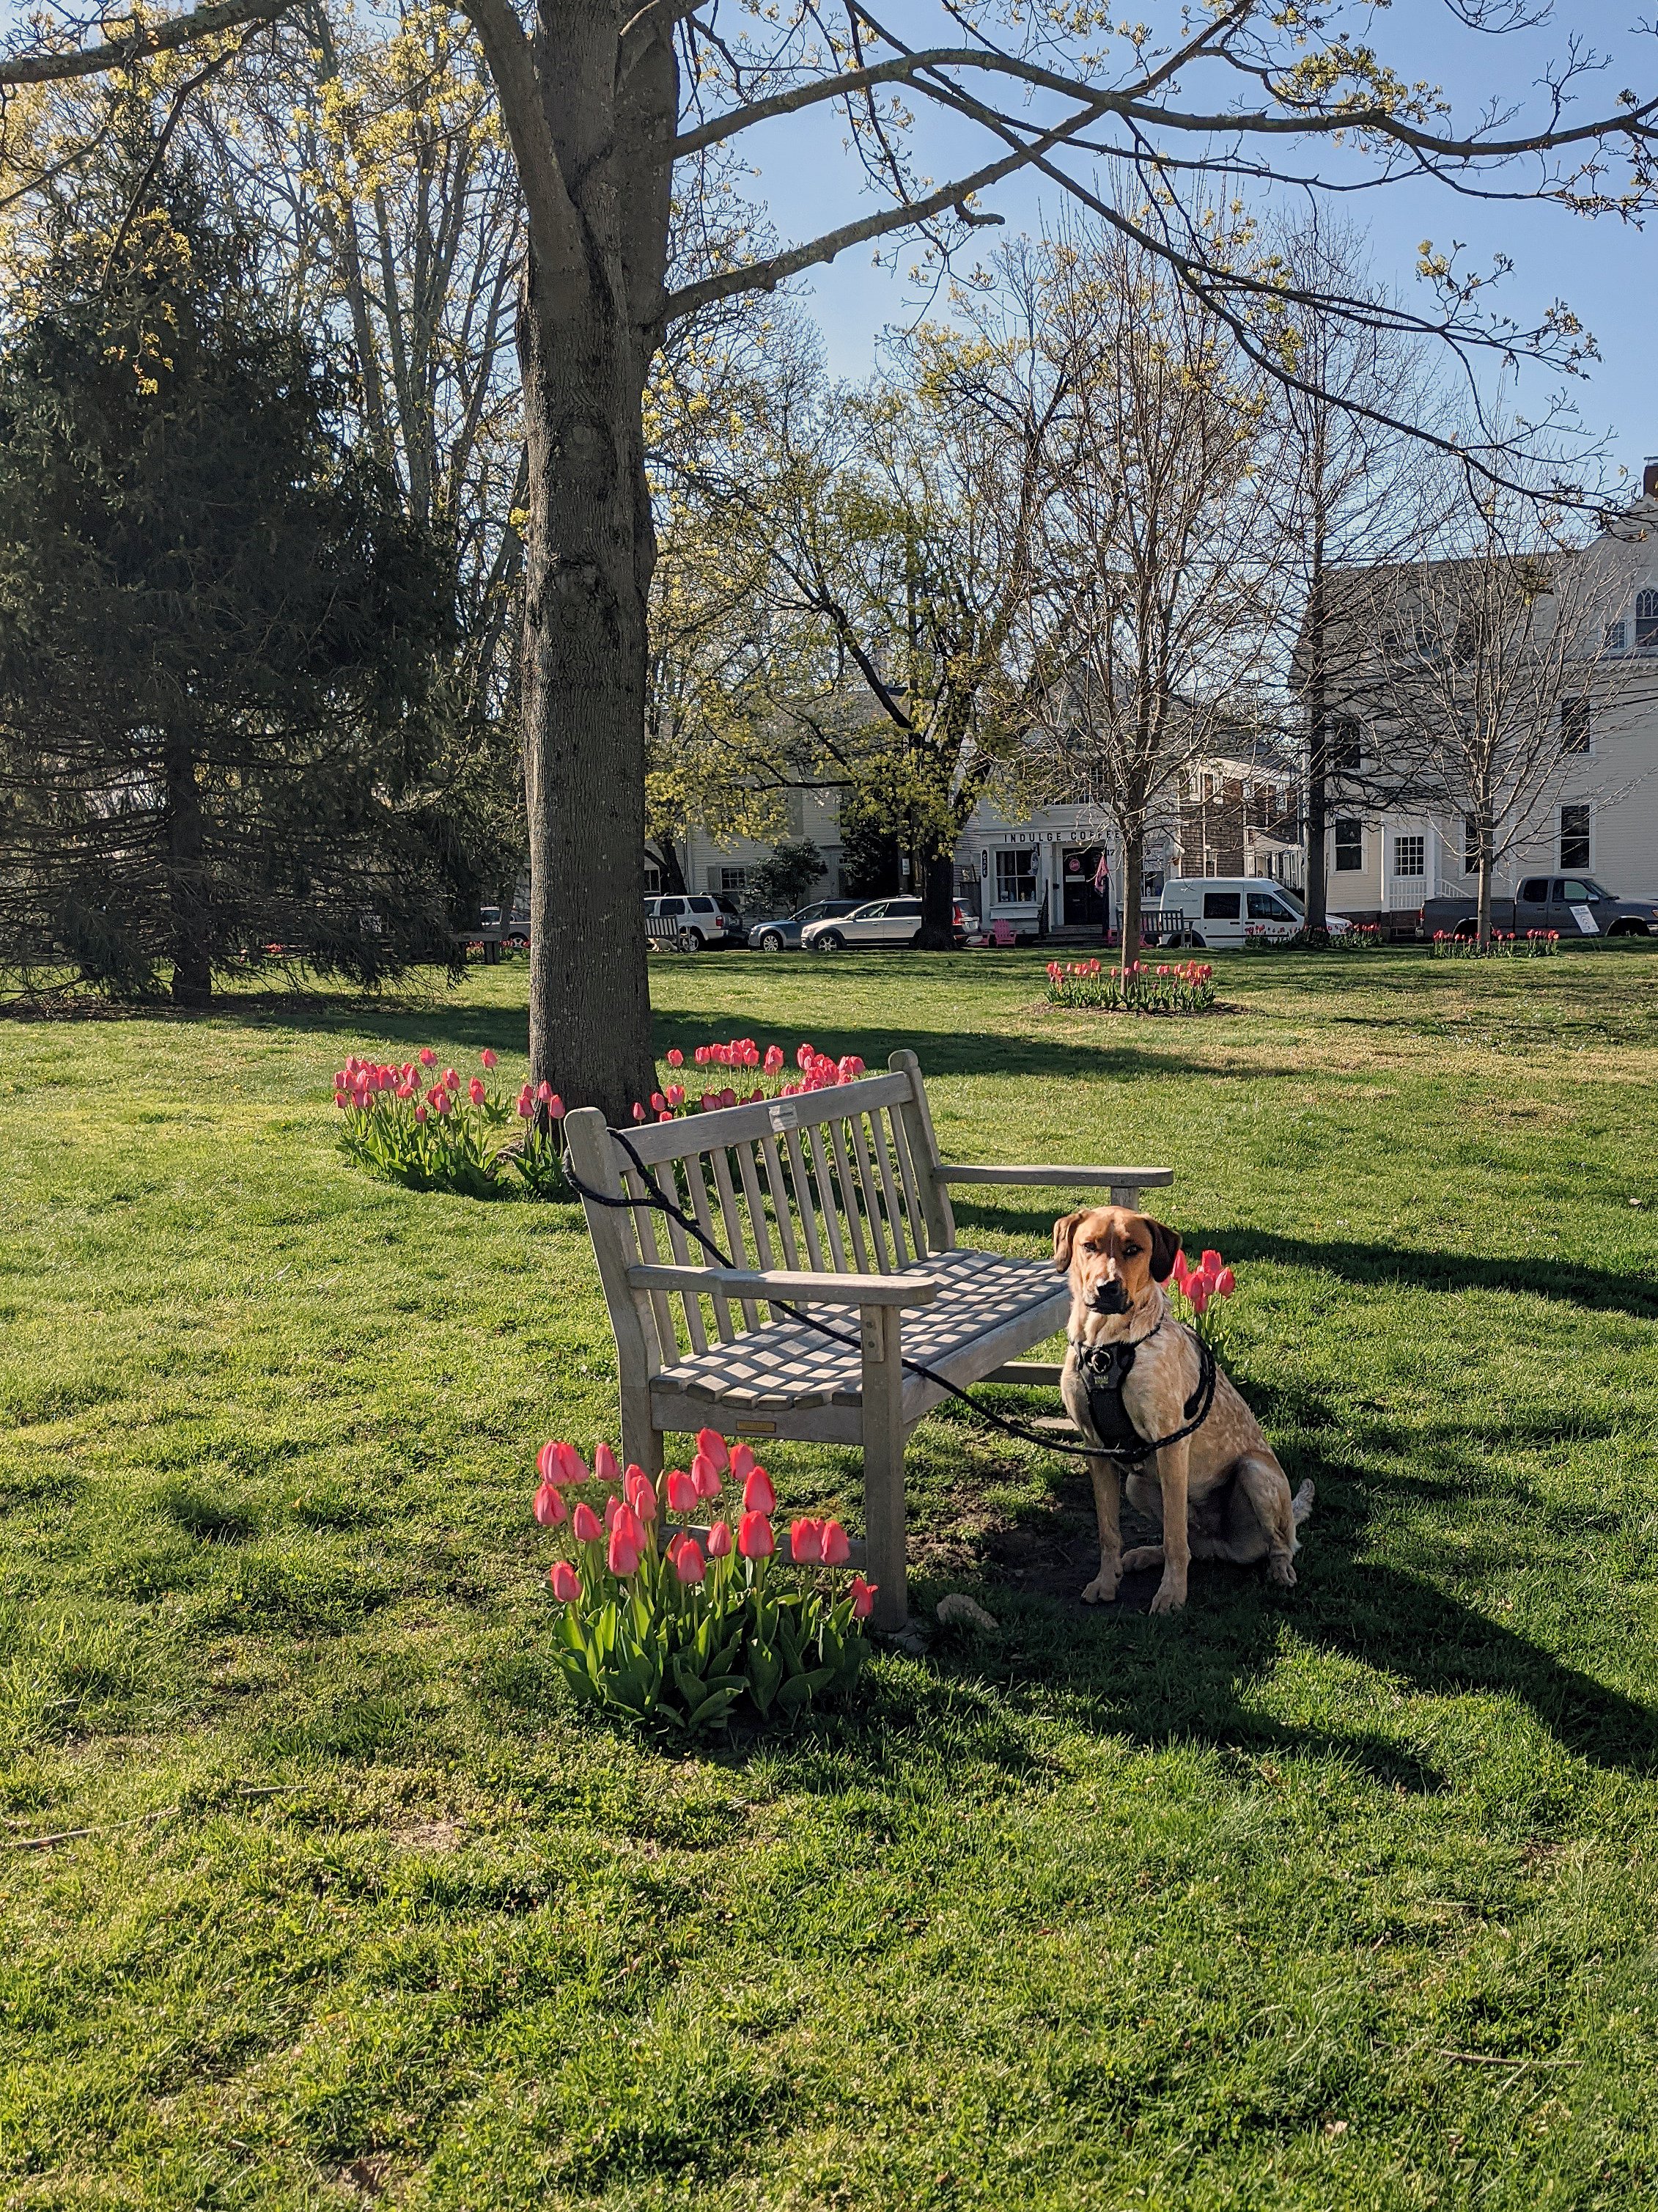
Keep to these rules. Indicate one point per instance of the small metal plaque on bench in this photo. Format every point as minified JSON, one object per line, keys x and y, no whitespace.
{"x":783,"y":1114}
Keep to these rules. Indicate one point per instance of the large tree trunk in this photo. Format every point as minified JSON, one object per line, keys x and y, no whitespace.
{"x":186,"y":868}
{"x":937,"y":934}
{"x":587,"y":570}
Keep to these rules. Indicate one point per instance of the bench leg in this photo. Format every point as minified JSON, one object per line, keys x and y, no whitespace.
{"x":640,"y":1443}
{"x":884,"y":1465}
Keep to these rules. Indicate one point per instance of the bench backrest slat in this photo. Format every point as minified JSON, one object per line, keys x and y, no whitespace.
{"x":842,"y":1182}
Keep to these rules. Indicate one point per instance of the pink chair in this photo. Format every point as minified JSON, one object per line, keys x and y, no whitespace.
{"x":1002,"y":931}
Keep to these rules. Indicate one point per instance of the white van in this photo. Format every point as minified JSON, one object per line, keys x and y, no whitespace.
{"x":1222,"y":910}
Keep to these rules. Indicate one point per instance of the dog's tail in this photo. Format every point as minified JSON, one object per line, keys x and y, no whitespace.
{"x":1302,"y":1503}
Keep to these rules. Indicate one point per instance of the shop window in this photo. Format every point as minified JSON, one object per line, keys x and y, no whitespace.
{"x":1016,"y":877}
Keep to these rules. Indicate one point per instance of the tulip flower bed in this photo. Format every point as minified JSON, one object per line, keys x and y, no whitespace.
{"x":431,"y":1132}
{"x":1502,"y":944}
{"x":678,"y":1095}
{"x":1184,"y":987}
{"x":671,"y":1625}
{"x":1203,"y":1291}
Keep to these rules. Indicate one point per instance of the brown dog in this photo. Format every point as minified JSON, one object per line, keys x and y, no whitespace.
{"x":1219,"y":1492}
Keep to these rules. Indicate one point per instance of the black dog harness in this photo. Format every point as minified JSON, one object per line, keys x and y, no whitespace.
{"x":1105,"y":1368}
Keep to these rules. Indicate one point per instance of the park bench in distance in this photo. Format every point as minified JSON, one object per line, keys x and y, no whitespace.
{"x":836,"y":1201}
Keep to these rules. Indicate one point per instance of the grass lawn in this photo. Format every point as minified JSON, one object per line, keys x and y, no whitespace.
{"x":1342,"y":1897}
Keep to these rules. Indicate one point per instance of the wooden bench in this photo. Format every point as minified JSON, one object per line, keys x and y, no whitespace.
{"x":838,"y":1202}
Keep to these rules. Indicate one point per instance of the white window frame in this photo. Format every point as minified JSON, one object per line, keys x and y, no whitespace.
{"x":1417,"y":838}
{"x":1008,"y":871}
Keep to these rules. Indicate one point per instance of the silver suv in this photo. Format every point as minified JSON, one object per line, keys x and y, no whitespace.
{"x":693,"y":921}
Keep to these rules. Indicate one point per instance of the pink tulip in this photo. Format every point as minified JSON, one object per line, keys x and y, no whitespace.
{"x":640,"y":1493}
{"x":689,"y":1563}
{"x":758,"y":1496}
{"x":585,"y":1525}
{"x":704,"y":1480}
{"x":572,"y":1466}
{"x":676,"y":1058}
{"x":549,"y":1465}
{"x":486,"y":1057}
{"x":340,"y":1099}
{"x":1212,"y":1262}
{"x":545,"y":1093}
{"x":420,"y":1112}
{"x":527,"y":1103}
{"x":567,"y":1584}
{"x":674,"y":1094}
{"x":441,"y":1100}
{"x":475,"y":1091}
{"x":682,"y":1492}
{"x":613,"y":1508}
{"x":549,"y":1508}
{"x":428,"y":1057}
{"x":742,"y":1461}
{"x":623,"y":1556}
{"x":639,"y":1111}
{"x":719,"y":1540}
{"x":837,"y":1549}
{"x":1182,"y":1273}
{"x":1225,"y":1283}
{"x":712,"y":1445}
{"x":605,"y":1466}
{"x":754,"y":1540}
{"x":863,"y":1597}
{"x":806,"y":1541}
{"x":451,"y":1080}
{"x":1199,"y":1294}
{"x":773,"y":1059}
{"x":728,"y":1096}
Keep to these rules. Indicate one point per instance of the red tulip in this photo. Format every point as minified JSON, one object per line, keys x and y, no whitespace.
{"x":1226,"y":1282}
{"x":623,"y":1556}
{"x":682,"y":1492}
{"x":773,"y":1059}
{"x":758,"y":1496}
{"x":549,"y":1463}
{"x":475,"y":1091}
{"x":545,"y":1093}
{"x":605,"y":1466}
{"x":441,"y":1099}
{"x":806,"y":1541}
{"x":863,"y":1597}
{"x":549,"y":1508}
{"x":567,"y":1584}
{"x":1198,"y":1292}
{"x":719,"y":1540}
{"x":340,"y":1099}
{"x":428,"y":1057}
{"x":689,"y":1563}
{"x":837,"y":1549}
{"x":640,"y":1493}
{"x":486,"y":1057}
{"x":527,"y":1103}
{"x":703,"y":1478}
{"x":676,"y":1058}
{"x":451,"y":1080}
{"x":712,"y":1445}
{"x":1212,"y":1262}
{"x":742,"y":1461}
{"x":754,"y":1540}
{"x":420,"y":1112}
{"x":585,"y":1525}
{"x":639,"y":1111}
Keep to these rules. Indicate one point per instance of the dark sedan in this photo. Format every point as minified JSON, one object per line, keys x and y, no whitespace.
{"x":785,"y":936}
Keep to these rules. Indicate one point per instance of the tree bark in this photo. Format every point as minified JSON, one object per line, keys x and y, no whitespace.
{"x":1316,"y":896}
{"x":186,"y":869}
{"x":1483,"y":908}
{"x":666,"y":853}
{"x":937,"y":933}
{"x":1134,"y":887}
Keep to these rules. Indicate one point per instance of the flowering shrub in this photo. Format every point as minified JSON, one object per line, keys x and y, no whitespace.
{"x":815,"y":1071}
{"x":672,"y":1624}
{"x":433,"y":1133}
{"x":1504,"y":944}
{"x":1182,"y":987}
{"x":1203,"y":1291}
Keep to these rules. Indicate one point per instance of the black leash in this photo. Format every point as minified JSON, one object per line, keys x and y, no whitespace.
{"x":657,"y":1202}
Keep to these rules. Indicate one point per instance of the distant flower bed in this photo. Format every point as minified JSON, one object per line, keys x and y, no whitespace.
{"x":1184,"y":987}
{"x":674,"y":1626}
{"x":1503,"y":944}
{"x":433,"y":1133}
{"x":1358,"y":936}
{"x":815,"y":1071}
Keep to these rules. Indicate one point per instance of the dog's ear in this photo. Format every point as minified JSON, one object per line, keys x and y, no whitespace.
{"x":1165,"y":1246}
{"x":1065,"y":1235}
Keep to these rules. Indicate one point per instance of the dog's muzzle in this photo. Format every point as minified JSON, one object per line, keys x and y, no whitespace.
{"x":1109,"y":1298}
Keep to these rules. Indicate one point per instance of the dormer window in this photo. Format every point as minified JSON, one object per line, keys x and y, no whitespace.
{"x":1646,"y":621}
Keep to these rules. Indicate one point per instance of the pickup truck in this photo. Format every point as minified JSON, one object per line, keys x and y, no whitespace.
{"x":1575,"y":905}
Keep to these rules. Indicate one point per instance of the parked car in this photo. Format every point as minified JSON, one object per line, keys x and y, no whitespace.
{"x":690,"y":922}
{"x":1222,"y":911}
{"x":510,"y":931}
{"x":879,"y":921}
{"x":1575,"y":905}
{"x":784,"y":936}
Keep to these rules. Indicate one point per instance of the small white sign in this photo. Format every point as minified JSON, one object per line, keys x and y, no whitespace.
{"x":783,"y":1114}
{"x":1586,"y":921}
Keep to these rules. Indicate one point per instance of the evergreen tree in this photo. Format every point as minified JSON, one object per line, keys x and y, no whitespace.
{"x":220,"y":641}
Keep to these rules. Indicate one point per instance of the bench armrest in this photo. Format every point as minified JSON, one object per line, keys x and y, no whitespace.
{"x":1055,"y":1178}
{"x":756,"y":1285}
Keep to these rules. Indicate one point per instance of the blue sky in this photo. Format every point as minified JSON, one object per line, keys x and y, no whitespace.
{"x":1604,"y":268}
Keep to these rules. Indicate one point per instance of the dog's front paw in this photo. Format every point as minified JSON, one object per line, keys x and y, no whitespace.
{"x":1103,"y":1587}
{"x":1170,"y":1597}
{"x":1143,"y":1556}
{"x":1281,"y":1572}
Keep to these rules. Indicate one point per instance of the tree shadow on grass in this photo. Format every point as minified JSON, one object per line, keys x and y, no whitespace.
{"x":1191,"y":1677}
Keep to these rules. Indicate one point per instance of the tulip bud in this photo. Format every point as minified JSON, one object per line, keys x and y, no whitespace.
{"x":689,"y":1563}
{"x":806,"y":1542}
{"x":703,"y":1478}
{"x":682,"y":1492}
{"x":549,"y":1508}
{"x":486,"y":1057}
{"x":676,"y":1058}
{"x":585,"y":1525}
{"x":640,"y":1493}
{"x":836,"y":1548}
{"x":605,"y":1466}
{"x":742,"y":1461}
{"x":719,"y":1540}
{"x":567,"y":1584}
{"x":527,"y":1103}
{"x":623,"y":1556}
{"x":451,"y":1080}
{"x":475,"y":1091}
{"x":863,"y":1597}
{"x":428,"y":1057}
{"x":754,"y":1540}
{"x":571,"y":1465}
{"x":712,"y":1445}
{"x":1225,"y":1283}
{"x":758,"y":1496}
